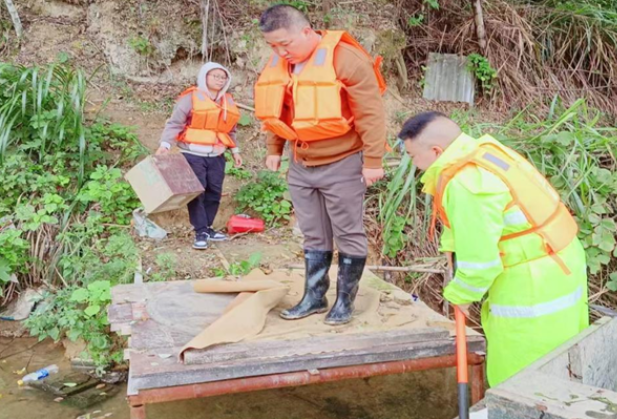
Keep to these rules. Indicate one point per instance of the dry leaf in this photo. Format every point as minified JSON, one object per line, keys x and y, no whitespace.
{"x":20,"y":372}
{"x":100,"y":386}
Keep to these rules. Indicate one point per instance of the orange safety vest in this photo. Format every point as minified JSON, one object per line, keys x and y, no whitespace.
{"x":531,"y":192}
{"x":210,"y":123}
{"x":316,"y":93}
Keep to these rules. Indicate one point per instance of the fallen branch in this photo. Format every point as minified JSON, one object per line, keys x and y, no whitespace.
{"x":390,"y":269}
{"x":14,"y":17}
{"x":222,"y":258}
{"x":398,"y":98}
{"x":246,"y":107}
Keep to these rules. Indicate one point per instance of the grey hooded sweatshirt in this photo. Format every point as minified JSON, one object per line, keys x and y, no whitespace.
{"x":181,"y":115}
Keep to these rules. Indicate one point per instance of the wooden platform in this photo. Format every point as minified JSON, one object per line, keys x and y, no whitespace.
{"x":161,"y":317}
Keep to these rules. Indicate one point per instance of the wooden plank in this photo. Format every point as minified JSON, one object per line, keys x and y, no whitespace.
{"x":175,"y":315}
{"x":119,"y":315}
{"x":347,"y":343}
{"x":149,"y":371}
{"x":165,"y":316}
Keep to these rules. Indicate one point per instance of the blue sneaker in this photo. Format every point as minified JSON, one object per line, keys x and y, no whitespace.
{"x":216,"y":236}
{"x":201,"y":241}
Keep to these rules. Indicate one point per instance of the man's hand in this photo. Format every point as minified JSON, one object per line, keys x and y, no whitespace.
{"x":237,"y":159}
{"x":465,"y":309}
{"x":372,"y":175}
{"x":273,"y":163}
{"x":161,"y":150}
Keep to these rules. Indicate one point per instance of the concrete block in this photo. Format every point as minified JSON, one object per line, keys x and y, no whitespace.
{"x":576,"y":381}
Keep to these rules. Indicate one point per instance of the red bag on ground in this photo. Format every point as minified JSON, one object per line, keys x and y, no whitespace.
{"x":244,"y":224}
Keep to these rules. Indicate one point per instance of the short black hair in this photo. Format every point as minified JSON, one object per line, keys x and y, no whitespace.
{"x":414,"y":126}
{"x":281,"y":16}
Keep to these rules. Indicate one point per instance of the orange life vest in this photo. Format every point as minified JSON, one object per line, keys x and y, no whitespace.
{"x":531,"y":192}
{"x":210,"y":123}
{"x":315,"y":90}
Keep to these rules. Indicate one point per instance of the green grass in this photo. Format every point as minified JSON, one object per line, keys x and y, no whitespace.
{"x":42,"y":110}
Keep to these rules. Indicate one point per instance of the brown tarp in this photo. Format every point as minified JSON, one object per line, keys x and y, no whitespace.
{"x":253,"y":314}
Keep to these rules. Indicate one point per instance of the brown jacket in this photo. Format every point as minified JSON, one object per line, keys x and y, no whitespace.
{"x":362,"y":100}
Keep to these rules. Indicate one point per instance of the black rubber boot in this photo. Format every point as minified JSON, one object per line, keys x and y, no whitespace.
{"x":315,"y":286}
{"x":350,"y":270}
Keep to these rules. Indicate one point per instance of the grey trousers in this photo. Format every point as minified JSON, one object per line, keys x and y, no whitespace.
{"x":329,"y":204}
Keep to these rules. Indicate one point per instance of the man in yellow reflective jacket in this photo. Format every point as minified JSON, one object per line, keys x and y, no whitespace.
{"x":513,"y":240}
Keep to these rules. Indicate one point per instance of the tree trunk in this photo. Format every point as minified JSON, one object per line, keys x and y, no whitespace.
{"x":15,"y":17}
{"x":480,"y":31}
{"x":205,"y":17}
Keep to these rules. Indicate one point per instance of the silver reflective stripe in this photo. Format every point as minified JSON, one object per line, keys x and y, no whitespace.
{"x":513,"y":218}
{"x":538,"y":310}
{"x":298,"y":67}
{"x":461,"y":264}
{"x":496,"y":161}
{"x":469,"y":287}
{"x":320,"y":57}
{"x":275,"y":60}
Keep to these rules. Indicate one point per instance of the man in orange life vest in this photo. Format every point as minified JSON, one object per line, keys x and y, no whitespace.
{"x":203,"y":125}
{"x":321,"y":93}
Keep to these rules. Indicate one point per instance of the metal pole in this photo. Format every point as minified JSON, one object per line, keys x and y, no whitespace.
{"x":294,"y":379}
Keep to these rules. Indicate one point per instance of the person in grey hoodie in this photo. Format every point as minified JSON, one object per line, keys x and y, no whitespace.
{"x":203,"y":126}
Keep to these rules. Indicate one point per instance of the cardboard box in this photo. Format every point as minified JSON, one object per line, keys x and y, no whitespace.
{"x":164,"y":183}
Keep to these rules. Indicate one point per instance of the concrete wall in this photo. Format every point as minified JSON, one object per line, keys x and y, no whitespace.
{"x":576,"y":381}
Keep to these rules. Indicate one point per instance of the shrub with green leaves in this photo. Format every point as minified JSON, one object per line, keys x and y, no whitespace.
{"x":483,"y":71}
{"x":78,"y":313}
{"x":166,"y":264}
{"x":59,"y":174}
{"x":240,"y":268}
{"x":142,"y":45}
{"x":63,"y":203}
{"x":266,"y":197}
{"x":114,"y":197}
{"x":237,"y":172}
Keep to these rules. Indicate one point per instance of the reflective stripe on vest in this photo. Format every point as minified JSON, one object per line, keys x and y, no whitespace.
{"x":478,"y":265}
{"x":538,"y":310}
{"x":514,"y":218}
{"x":468,"y":287}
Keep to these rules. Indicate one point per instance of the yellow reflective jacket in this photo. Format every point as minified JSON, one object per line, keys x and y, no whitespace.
{"x":534,"y":299}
